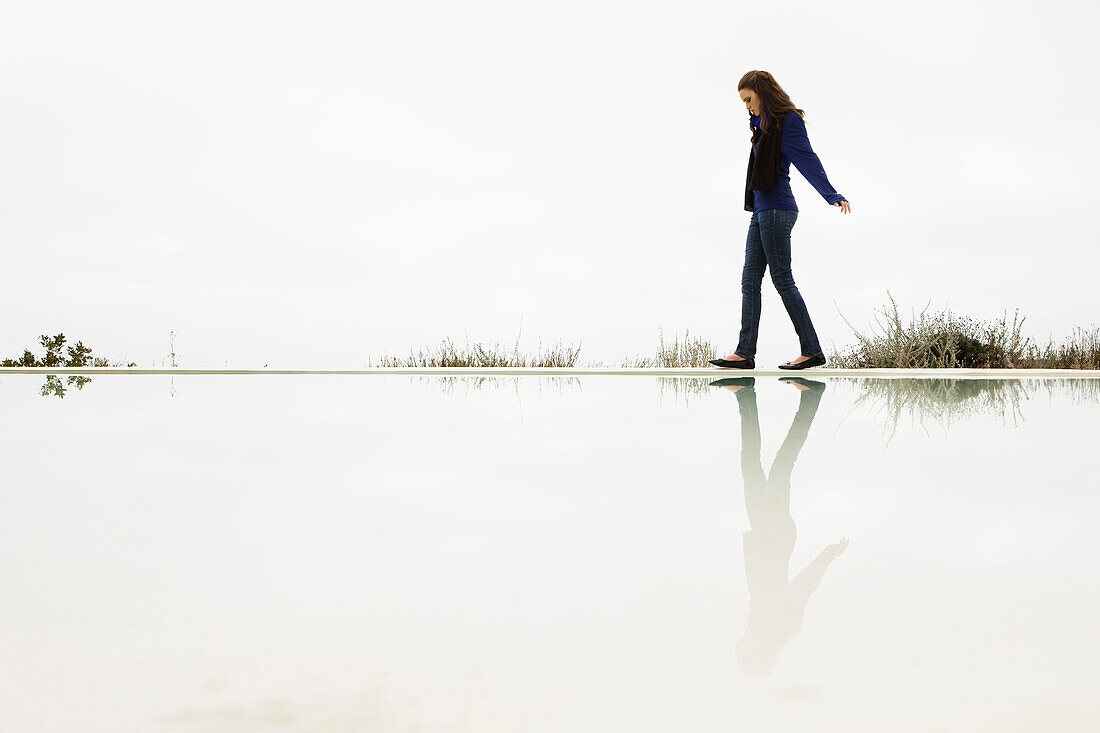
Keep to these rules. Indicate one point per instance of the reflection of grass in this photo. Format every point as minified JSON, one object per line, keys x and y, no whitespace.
{"x":945,"y":400}
{"x":941,"y":400}
{"x":474,"y":381}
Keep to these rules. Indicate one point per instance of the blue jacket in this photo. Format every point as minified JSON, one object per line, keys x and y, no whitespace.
{"x":794,"y":147}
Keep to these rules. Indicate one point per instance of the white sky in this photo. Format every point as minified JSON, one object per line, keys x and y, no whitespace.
{"x":322,"y":183}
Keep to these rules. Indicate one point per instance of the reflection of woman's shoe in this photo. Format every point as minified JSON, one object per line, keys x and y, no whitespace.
{"x":734,"y":382}
{"x":734,"y":364}
{"x":813,"y":384}
{"x":816,"y":360}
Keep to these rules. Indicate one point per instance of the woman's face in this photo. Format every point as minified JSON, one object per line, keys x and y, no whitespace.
{"x":752,"y":102}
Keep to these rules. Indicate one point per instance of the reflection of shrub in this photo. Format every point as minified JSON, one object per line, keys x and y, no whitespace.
{"x":79,"y":355}
{"x":53,"y":385}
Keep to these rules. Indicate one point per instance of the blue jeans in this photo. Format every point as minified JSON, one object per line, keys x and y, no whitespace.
{"x":769,"y":244}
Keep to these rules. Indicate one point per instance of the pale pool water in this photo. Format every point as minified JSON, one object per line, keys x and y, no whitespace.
{"x":386,"y":553}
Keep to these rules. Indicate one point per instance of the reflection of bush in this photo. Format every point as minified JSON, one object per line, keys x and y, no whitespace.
{"x":53,"y":385}
{"x":79,"y":355}
{"x":946,"y":400}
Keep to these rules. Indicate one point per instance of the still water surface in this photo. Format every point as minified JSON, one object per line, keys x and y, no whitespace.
{"x":394,"y":553}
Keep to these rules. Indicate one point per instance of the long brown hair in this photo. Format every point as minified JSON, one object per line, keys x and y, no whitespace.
{"x":772,"y":97}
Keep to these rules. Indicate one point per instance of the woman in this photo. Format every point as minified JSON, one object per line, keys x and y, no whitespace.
{"x":778,"y":139}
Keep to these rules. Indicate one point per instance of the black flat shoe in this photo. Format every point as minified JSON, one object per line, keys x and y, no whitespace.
{"x":743,"y":364}
{"x":813,"y":361}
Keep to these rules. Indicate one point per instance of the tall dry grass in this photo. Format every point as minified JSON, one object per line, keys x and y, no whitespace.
{"x":941,"y":340}
{"x":945,"y":340}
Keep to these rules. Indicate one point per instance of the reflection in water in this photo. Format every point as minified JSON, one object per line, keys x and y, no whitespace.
{"x":776,"y":603}
{"x":942,"y":400}
{"x":53,"y":385}
{"x":947,"y":400}
{"x":939,"y":399}
{"x":448,"y":384}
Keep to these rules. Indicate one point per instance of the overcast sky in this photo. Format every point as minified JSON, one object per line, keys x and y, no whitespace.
{"x":321,"y":183}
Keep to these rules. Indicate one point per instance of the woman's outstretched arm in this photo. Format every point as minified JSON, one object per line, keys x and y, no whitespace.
{"x":810,"y":577}
{"x":795,"y":144}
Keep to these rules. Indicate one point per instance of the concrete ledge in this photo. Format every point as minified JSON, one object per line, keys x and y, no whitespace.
{"x":714,"y":372}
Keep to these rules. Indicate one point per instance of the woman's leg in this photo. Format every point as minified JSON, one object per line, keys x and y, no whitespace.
{"x":751,"y":277}
{"x":775,"y":237}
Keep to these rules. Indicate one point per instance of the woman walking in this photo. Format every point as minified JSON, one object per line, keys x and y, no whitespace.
{"x":778,"y":139}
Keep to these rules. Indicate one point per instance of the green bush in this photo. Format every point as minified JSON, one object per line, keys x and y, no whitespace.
{"x":79,"y":355}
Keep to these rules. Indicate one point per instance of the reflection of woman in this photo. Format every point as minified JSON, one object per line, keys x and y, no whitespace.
{"x":776,"y":603}
{"x":779,"y":138}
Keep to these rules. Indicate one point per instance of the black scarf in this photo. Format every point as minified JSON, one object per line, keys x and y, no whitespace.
{"x":763,"y":168}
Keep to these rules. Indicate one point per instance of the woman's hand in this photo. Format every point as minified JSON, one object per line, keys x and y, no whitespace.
{"x":836,"y":549}
{"x":844,"y":206}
